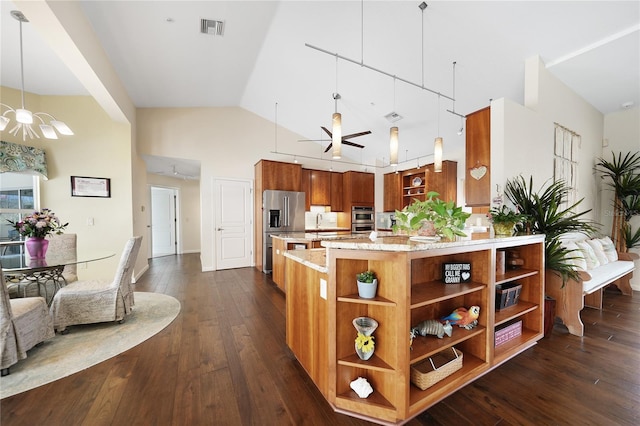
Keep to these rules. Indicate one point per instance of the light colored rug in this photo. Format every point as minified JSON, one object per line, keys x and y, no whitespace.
{"x":87,"y":345}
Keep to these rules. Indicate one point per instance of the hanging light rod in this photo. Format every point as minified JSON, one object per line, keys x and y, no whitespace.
{"x":383,"y":166}
{"x":362,"y":64}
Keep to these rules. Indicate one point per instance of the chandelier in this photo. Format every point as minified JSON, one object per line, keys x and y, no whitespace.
{"x":25,"y":118}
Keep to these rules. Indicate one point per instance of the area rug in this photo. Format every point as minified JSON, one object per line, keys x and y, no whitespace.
{"x":88,"y":345}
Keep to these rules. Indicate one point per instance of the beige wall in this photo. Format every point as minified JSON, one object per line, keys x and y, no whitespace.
{"x":227,"y":142}
{"x":99,"y":148}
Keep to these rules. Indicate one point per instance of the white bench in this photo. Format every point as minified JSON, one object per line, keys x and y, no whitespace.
{"x":575,"y":295}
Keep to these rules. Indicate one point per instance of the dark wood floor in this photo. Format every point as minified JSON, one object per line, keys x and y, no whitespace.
{"x":224,"y":361}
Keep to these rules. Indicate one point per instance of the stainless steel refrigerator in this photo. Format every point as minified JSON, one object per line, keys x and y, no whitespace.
{"x":282,"y":213}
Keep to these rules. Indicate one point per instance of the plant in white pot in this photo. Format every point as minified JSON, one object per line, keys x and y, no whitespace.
{"x":367,"y":284}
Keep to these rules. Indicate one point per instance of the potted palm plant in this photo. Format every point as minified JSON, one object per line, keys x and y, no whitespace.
{"x":623,"y":174}
{"x":367,"y":284}
{"x":547,"y":215}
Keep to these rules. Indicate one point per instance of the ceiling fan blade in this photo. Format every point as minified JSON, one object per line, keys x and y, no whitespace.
{"x":326,"y":131}
{"x":355,"y":135}
{"x":328,"y":147}
{"x":353,"y":144}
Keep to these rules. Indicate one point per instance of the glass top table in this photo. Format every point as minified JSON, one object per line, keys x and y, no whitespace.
{"x":20,"y":270}
{"x":20,"y":263}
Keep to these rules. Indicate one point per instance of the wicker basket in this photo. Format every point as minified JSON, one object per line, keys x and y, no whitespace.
{"x":430,"y":371}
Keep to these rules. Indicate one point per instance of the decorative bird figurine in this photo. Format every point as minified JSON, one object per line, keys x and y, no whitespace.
{"x":463,"y":317}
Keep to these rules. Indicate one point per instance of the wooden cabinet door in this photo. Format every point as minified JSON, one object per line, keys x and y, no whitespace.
{"x":305,"y":186}
{"x":320,"y":188}
{"x":392,"y":192}
{"x":280,"y":176}
{"x":445,"y":183}
{"x":478,"y":158}
{"x":362,"y":188}
{"x":336,"y":192}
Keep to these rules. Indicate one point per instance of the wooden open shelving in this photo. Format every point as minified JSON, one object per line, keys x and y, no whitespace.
{"x":411,"y":290}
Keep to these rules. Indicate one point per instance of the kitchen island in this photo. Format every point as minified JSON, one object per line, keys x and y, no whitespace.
{"x":300,"y":240}
{"x":322,"y":300}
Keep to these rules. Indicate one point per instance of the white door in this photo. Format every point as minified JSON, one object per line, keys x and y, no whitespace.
{"x":163,"y":221}
{"x":233,"y":223}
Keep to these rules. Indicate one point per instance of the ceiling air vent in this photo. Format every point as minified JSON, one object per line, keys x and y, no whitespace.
{"x":212,"y":27}
{"x":393,"y":117}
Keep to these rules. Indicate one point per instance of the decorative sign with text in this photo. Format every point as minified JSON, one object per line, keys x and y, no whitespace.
{"x":456,"y":273}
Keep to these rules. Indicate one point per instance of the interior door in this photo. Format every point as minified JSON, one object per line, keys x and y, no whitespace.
{"x":233,"y":228}
{"x":163,"y":221}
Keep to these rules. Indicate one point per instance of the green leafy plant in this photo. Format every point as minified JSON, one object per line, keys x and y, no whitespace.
{"x":544,"y":209}
{"x":447,"y":218}
{"x":505,"y":214}
{"x":366,"y":276}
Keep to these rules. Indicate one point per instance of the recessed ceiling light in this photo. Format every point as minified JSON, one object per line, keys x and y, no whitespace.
{"x":627,"y":104}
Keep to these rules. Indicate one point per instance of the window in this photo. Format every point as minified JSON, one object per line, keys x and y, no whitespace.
{"x":565,"y":162}
{"x":18,"y":198}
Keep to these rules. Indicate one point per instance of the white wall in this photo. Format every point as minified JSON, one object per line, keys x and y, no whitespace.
{"x":522,"y":137}
{"x":621,"y":135}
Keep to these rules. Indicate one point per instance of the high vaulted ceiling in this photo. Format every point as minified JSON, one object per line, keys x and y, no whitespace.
{"x":263,"y":63}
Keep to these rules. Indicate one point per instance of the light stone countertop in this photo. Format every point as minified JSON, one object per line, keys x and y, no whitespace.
{"x":318,"y":236}
{"x":313,"y":258}
{"x":404,"y":243}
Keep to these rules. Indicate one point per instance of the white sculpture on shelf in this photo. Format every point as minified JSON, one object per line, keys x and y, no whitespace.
{"x":362,"y":387}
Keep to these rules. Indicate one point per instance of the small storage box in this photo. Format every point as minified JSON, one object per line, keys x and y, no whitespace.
{"x":507,"y":295}
{"x":508,"y":333}
{"x":435,"y":368}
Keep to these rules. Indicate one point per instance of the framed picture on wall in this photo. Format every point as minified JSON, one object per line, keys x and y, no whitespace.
{"x":82,"y":186}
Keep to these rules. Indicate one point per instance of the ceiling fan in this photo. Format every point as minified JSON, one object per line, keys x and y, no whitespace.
{"x":345,"y":137}
{"x":174,"y":173}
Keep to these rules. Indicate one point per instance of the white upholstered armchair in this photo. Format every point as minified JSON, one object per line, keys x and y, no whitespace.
{"x":65,"y":246}
{"x":89,"y":302}
{"x":23,"y":324}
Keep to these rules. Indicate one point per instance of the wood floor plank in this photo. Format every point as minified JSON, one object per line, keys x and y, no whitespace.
{"x":224,"y":361}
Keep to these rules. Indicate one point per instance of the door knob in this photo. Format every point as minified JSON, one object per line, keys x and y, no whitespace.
{"x":220,"y":229}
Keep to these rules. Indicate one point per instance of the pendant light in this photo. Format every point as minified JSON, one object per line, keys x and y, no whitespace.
{"x":23,"y":116}
{"x":393,"y":134}
{"x":437,"y":147}
{"x":336,"y":130}
{"x":393,"y":146}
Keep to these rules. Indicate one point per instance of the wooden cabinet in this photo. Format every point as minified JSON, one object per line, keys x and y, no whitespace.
{"x":416,"y":183}
{"x":392,"y":192}
{"x":305,"y":187}
{"x":280,"y":246}
{"x":278,"y":175}
{"x":336,"y":192}
{"x":320,"y":188}
{"x":359,"y":188}
{"x":394,"y":399}
{"x":478,"y":159}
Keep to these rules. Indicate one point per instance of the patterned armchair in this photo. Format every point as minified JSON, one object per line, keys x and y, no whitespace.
{"x":89,"y":302}
{"x":24,"y":323}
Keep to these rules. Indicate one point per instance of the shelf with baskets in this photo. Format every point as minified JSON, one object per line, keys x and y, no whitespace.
{"x":525,"y":317}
